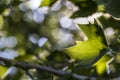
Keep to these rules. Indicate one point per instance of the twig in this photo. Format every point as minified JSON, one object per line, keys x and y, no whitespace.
{"x":26,"y":66}
{"x":29,"y":74}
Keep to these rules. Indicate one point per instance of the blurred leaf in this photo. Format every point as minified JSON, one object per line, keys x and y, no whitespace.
{"x":18,"y":75}
{"x":3,"y":70}
{"x":16,"y":3}
{"x":57,"y":59}
{"x":87,"y":7}
{"x":108,"y":21}
{"x":100,"y":7}
{"x":27,"y":57}
{"x":113,"y":7}
{"x":45,"y":3}
{"x":57,"y":56}
{"x":13,"y":74}
{"x":1,"y":21}
{"x":101,"y":65}
{"x":88,"y":52}
{"x":2,"y":5}
{"x":42,"y":75}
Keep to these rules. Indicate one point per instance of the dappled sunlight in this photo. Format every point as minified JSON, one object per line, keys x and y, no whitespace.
{"x":65,"y":22}
{"x":11,"y":71}
{"x":30,"y":4}
{"x":42,"y":41}
{"x":62,"y":38}
{"x":34,"y":4}
{"x":34,"y":38}
{"x":81,"y":20}
{"x":9,"y":54}
{"x":38,"y":16}
{"x":43,"y":54}
{"x":28,"y":16}
{"x":9,"y":42}
{"x":109,"y":32}
{"x":1,"y":21}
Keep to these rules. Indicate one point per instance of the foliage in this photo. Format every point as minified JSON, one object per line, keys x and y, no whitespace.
{"x":47,"y":39}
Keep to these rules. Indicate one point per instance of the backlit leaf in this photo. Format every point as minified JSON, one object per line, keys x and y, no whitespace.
{"x":1,"y":21}
{"x":3,"y":70}
{"x":88,"y":52}
{"x":101,"y":65}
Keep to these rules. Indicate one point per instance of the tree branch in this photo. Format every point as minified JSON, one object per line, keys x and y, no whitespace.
{"x":26,"y":66}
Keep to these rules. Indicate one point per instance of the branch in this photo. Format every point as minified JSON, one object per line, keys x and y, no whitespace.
{"x":26,"y":66}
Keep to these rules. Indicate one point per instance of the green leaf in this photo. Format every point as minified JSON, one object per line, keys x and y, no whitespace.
{"x":3,"y":70}
{"x":1,"y":21}
{"x":87,"y":7}
{"x":47,"y":2}
{"x":107,"y":22}
{"x":27,"y":57}
{"x":88,"y":52}
{"x":113,"y":7}
{"x":101,"y":65}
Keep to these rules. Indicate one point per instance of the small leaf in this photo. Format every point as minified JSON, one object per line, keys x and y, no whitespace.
{"x":1,"y":21}
{"x":101,"y":65}
{"x":3,"y":70}
{"x":88,"y":52}
{"x":47,"y":2}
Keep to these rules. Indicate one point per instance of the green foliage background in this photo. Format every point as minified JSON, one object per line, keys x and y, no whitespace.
{"x":94,"y":50}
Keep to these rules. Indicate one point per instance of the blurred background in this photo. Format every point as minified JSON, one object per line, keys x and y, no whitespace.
{"x":30,"y":32}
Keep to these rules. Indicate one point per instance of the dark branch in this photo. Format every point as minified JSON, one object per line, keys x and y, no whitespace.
{"x":26,"y":66}
{"x":29,"y":74}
